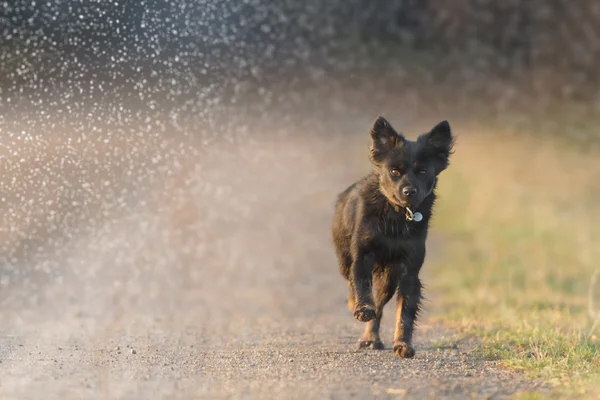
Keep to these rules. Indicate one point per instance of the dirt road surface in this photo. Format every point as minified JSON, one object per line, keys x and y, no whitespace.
{"x":217,"y":280}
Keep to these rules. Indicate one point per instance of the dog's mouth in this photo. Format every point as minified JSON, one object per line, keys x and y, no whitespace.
{"x":396,"y":200}
{"x":406,"y":204}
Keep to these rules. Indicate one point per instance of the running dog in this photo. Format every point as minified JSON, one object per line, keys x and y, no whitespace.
{"x":380,"y":228}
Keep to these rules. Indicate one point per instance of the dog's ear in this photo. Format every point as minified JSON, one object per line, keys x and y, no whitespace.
{"x":383,"y":139}
{"x":439,"y":142}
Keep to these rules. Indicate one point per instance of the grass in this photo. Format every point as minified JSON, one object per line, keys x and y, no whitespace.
{"x":520,"y":220}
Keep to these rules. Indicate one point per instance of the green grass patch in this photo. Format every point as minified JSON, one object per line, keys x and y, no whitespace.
{"x":519,"y":255}
{"x":449,"y":343}
{"x":531,"y":396}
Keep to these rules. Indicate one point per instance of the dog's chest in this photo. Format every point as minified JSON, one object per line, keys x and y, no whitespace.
{"x":391,"y":236}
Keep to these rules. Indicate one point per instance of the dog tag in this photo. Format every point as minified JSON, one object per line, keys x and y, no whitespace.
{"x":418,"y":217}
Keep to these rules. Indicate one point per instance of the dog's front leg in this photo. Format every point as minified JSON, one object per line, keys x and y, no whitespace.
{"x":408,"y":305}
{"x":362,"y":276}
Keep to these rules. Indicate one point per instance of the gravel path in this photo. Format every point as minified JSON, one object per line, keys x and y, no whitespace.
{"x":222,"y":283}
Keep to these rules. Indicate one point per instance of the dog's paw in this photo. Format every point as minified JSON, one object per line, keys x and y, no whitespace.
{"x":364,"y":313}
{"x":371,"y":344}
{"x":403,"y":350}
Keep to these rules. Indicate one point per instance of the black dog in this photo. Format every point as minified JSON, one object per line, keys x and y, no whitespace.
{"x":380,"y":227}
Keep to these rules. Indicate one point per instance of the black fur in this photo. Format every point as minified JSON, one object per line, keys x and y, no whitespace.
{"x":380,"y":252}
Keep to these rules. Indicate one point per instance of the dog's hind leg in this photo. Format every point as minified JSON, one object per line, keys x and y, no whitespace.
{"x":384,"y":284}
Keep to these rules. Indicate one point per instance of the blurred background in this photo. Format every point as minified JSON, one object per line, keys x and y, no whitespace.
{"x":171,"y":166}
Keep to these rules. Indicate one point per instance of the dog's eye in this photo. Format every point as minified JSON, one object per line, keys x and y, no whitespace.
{"x":394,"y":172}
{"x":422,"y":172}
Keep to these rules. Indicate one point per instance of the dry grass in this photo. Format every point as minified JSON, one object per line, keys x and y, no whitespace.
{"x":520,"y":218}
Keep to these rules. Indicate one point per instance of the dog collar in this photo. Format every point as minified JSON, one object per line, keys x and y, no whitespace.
{"x":410,"y":216}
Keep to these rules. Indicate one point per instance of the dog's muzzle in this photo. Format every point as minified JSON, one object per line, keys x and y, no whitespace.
{"x":417,"y":216}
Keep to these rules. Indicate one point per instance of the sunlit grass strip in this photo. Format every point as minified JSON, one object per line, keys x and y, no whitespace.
{"x":519,"y":254}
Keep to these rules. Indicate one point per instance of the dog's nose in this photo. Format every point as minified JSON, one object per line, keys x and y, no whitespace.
{"x":409,"y":191}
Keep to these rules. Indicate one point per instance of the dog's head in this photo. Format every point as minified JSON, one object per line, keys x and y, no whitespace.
{"x":408,"y":169}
